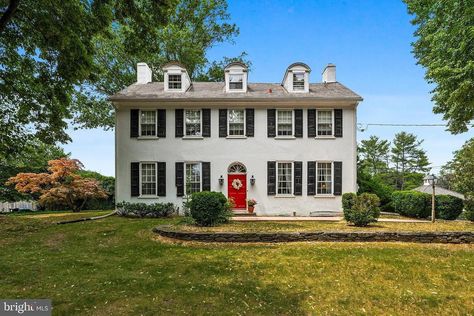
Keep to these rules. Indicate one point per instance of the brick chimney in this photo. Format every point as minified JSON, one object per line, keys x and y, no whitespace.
{"x":143,"y":73}
{"x":329,"y":73}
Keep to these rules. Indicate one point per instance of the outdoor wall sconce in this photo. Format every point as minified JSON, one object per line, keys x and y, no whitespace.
{"x":221,"y":180}
{"x":252,"y":180}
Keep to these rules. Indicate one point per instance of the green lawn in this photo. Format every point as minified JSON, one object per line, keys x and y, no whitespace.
{"x":118,"y":266}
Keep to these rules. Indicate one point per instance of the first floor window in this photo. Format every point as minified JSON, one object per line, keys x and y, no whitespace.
{"x":324,"y":178}
{"x":284,"y":122}
{"x":148,"y":177}
{"x":298,"y":81}
{"x":193,"y":123}
{"x":174,"y":82}
{"x":193,"y":178}
{"x":236,"y":122}
{"x":324,"y":122}
{"x":284,"y":177}
{"x":236,"y":81}
{"x":148,"y":123}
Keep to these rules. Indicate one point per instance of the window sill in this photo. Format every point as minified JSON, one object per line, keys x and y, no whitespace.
{"x":285,"y":196}
{"x":193,"y":137}
{"x":147,"y":197}
{"x":324,"y":196}
{"x":236,"y":137}
{"x":148,"y":138}
{"x":325,"y":137}
{"x":285,"y":137}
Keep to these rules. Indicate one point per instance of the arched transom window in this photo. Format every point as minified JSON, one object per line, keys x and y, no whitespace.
{"x":237,"y":167}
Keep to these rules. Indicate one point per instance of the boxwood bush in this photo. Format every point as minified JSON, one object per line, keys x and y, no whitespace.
{"x":145,"y":210}
{"x":412,"y":203}
{"x":448,"y":207}
{"x":361,"y":210}
{"x":209,"y":208}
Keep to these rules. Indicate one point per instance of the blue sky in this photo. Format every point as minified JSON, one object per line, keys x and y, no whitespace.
{"x":369,"y":41}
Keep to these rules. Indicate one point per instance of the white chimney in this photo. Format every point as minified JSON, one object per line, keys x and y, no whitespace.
{"x":143,"y":73}
{"x":329,"y":73}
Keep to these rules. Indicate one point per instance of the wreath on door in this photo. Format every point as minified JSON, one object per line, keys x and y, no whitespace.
{"x":237,"y":184}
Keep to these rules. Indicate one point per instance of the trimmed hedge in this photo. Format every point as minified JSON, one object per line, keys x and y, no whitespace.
{"x":361,"y":210}
{"x":209,"y":208}
{"x":448,"y":207}
{"x":412,"y":203}
{"x":348,"y":200}
{"x":145,"y":210}
{"x":469,"y":208}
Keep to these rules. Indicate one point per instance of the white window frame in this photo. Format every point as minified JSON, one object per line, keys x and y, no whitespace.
{"x":228,"y":123}
{"x":184,"y":124}
{"x":292,"y":125}
{"x":186,"y":178}
{"x":168,"y":81}
{"x":332,"y":179}
{"x":292,"y":186}
{"x":332,"y":124}
{"x":156,"y":177}
{"x":236,"y":74}
{"x":293,"y":81}
{"x":140,"y":124}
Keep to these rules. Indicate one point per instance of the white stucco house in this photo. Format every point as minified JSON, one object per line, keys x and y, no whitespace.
{"x":289,"y":145}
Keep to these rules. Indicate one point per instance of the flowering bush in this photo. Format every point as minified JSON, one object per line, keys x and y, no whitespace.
{"x":251,"y":202}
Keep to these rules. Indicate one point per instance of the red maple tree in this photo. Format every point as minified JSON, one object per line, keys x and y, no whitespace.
{"x":60,"y":185}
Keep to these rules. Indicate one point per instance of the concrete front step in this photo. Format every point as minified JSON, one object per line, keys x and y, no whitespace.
{"x":243,"y":213}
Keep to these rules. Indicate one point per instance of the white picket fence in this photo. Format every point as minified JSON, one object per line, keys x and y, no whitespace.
{"x":8,"y":206}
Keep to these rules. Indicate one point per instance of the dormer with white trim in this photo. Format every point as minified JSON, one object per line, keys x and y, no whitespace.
{"x":296,"y":78}
{"x":236,"y":77}
{"x":176,"y":78}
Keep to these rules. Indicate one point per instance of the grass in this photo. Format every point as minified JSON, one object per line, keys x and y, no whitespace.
{"x":117,"y":266}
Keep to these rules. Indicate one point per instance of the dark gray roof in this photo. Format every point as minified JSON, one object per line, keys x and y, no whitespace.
{"x":216,"y":90}
{"x":438,"y":191}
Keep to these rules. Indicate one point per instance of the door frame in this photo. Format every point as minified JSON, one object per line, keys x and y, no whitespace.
{"x":241,"y":172}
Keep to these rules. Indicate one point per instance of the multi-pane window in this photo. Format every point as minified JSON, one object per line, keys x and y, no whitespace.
{"x":298,"y":81}
{"x":193,"y":178}
{"x":284,"y":122}
{"x":148,"y":178}
{"x":193,"y":123}
{"x":284,"y":177}
{"x":148,"y":123}
{"x":174,"y":82}
{"x":324,"y":178}
{"x":236,"y":81}
{"x":236,"y":122}
{"x":324,"y":122}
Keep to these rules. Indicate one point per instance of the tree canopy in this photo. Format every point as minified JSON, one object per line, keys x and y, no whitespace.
{"x":459,"y":172}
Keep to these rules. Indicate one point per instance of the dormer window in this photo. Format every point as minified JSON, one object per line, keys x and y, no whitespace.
{"x":298,"y":81}
{"x":174,"y":82}
{"x":236,"y":81}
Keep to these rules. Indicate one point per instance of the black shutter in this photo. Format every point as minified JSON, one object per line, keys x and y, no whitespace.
{"x":337,"y":177}
{"x":134,"y":116}
{"x":311,"y":123}
{"x":311,"y":177}
{"x":271,"y":128}
{"x":298,"y":185}
{"x":179,"y":121}
{"x":338,"y":122}
{"x":206,"y":122}
{"x":135,"y":179}
{"x":206,"y":176}
{"x":250,"y":122}
{"x":179,"y":178}
{"x":222,"y":123}
{"x":161,"y":178}
{"x":161,"y":130}
{"x":271,"y":177}
{"x":298,"y":123}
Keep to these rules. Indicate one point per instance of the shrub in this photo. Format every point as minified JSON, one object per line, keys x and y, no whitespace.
{"x":412,"y":203}
{"x":448,"y":207}
{"x":209,"y":208}
{"x":348,"y":200}
{"x":364,"y":210}
{"x":469,"y":208}
{"x":378,"y":186}
{"x":145,"y":210}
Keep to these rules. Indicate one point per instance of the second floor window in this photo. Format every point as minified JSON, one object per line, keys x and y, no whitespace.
{"x":174,"y":82}
{"x":284,"y":178}
{"x":298,"y":81}
{"x":193,"y":178}
{"x":284,"y":122}
{"x":324,"y":178}
{"x":192,"y":123}
{"x":148,"y":123}
{"x":324,"y":122}
{"x":236,"y":122}
{"x":148,"y":179}
{"x":236,"y":81}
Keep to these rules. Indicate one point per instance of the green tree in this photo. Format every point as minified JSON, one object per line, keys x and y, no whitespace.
{"x":375,"y":154}
{"x":408,"y":159}
{"x":445,"y":48}
{"x":461,"y":169}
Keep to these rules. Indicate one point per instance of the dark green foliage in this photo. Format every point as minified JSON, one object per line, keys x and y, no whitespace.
{"x":412,"y":203}
{"x":364,"y":208}
{"x":469,"y":207}
{"x":209,"y":208}
{"x":145,"y":210}
{"x":448,"y":207}
{"x":458,"y":172}
{"x":108,"y":183}
{"x":376,"y":185}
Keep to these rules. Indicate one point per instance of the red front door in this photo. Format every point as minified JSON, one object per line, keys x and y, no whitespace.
{"x":237,"y":189}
